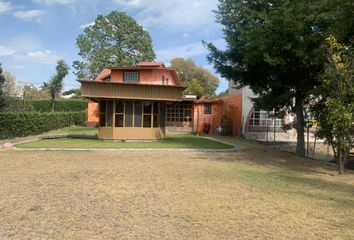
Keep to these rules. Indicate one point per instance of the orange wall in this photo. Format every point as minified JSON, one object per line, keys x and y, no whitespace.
{"x":93,"y":113}
{"x":147,"y":76}
{"x":224,"y":110}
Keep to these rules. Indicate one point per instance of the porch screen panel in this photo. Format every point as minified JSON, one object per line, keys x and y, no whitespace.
{"x":147,"y":114}
{"x":102,"y":107}
{"x":109,"y":121}
{"x":138,"y":114}
{"x":128,"y":114}
{"x":162,"y":114}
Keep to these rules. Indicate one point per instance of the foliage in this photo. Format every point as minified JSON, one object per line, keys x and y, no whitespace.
{"x":194,"y":87}
{"x":276,"y":48}
{"x":334,"y":110}
{"x":72,"y":105}
{"x":2,"y":81}
{"x":33,"y":93}
{"x":113,"y":40}
{"x":196,"y":78}
{"x":20,"y":124}
{"x":56,"y":82}
{"x":75,"y":91}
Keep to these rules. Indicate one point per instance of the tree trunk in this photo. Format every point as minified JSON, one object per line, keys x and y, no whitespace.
{"x":53,"y":103}
{"x":341,"y":159}
{"x":299,"y":108}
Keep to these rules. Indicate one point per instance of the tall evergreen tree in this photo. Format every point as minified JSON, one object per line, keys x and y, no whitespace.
{"x":276,"y":47}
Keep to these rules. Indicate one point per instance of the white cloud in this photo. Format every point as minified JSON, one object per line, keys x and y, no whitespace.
{"x":186,"y":51}
{"x":52,"y":2}
{"x":46,"y":56}
{"x":5,"y":51}
{"x":29,"y":15}
{"x":5,"y":7}
{"x":183,"y":15}
{"x":17,"y":67}
{"x":83,"y":26}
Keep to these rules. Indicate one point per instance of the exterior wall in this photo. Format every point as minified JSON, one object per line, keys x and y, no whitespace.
{"x":146,"y":76}
{"x":247,"y":106}
{"x":226,"y":113}
{"x":131,"y":133}
{"x":98,"y":89}
{"x":93,"y":114}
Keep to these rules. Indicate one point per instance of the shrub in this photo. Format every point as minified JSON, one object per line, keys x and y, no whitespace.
{"x":60,"y":105}
{"x":20,"y":124}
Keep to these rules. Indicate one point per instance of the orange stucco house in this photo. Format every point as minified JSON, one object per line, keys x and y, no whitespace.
{"x":130,"y":102}
{"x":176,"y":112}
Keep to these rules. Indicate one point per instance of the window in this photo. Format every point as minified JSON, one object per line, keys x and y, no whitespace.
{"x":138,"y":110}
{"x":166,"y":81}
{"x":265,"y":118}
{"x":163,"y":80}
{"x":131,"y":114}
{"x":147,"y":114}
{"x":156,"y":114}
{"x":130,"y":76}
{"x":207,"y":108}
{"x":106,"y":113}
{"x":179,"y":114}
{"x":103,"y":109}
{"x":128,"y":114}
{"x":109,"y":117}
{"x":119,"y":113}
{"x":106,"y":79}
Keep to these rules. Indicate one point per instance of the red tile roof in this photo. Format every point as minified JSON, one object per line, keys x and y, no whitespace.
{"x":105,"y":73}
{"x":151,"y":64}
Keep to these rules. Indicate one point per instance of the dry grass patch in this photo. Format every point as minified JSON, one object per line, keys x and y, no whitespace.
{"x":250,"y":194}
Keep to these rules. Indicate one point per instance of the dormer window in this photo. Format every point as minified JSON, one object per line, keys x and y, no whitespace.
{"x":107,"y":79}
{"x":131,"y":76}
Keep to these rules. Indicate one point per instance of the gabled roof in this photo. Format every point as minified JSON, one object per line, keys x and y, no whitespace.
{"x":105,"y":73}
{"x":151,"y":64}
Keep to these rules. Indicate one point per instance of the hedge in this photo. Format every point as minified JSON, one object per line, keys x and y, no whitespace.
{"x":60,"y":105}
{"x":20,"y":124}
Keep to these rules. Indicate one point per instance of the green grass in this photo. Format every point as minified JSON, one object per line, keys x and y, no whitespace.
{"x":171,"y":141}
{"x":76,"y":130}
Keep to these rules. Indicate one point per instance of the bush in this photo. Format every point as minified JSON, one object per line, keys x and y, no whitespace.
{"x":20,"y":124}
{"x":60,"y":105}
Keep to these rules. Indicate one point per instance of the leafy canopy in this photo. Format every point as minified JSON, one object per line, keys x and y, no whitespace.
{"x":198,"y":80}
{"x":113,"y":40}
{"x":277,"y":48}
{"x":334,"y":109}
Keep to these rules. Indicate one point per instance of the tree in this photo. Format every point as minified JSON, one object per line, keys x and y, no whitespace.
{"x":2,"y":97}
{"x":113,"y":40}
{"x":198,"y":80}
{"x":56,"y":82}
{"x":10,"y":87}
{"x":194,"y":87}
{"x":334,"y":109}
{"x":75,"y":91}
{"x":276,"y":48}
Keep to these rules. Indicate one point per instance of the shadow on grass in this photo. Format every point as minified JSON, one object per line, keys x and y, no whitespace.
{"x":186,"y":141}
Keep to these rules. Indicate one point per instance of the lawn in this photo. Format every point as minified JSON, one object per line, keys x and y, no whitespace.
{"x":171,"y":141}
{"x":255,"y":193}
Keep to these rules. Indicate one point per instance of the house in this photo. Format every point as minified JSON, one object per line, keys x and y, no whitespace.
{"x":258,"y":124}
{"x":181,"y":114}
{"x":130,"y":102}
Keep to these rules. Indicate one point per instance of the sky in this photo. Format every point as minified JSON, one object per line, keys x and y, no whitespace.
{"x":34,"y":34}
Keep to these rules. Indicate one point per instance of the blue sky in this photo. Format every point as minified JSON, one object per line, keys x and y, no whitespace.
{"x":36,"y":33}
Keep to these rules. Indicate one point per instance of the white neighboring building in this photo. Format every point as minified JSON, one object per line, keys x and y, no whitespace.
{"x":259,"y":124}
